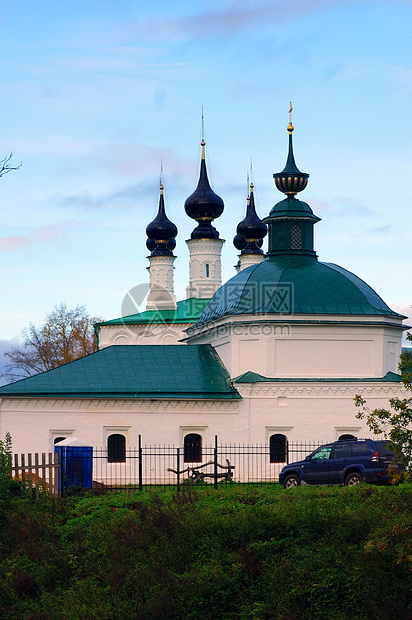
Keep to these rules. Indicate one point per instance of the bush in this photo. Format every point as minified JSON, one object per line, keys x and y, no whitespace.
{"x":235,"y":553}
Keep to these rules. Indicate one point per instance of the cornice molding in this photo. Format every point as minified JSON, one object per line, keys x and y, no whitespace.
{"x":317,"y":390}
{"x":119,"y":404}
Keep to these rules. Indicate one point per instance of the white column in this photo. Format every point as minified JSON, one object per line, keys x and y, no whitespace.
{"x":205,"y":267}
{"x":161,"y":295}
{"x":246,"y":260}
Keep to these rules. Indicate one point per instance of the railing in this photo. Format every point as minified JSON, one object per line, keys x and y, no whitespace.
{"x":145,"y":466}
{"x":37,"y":474}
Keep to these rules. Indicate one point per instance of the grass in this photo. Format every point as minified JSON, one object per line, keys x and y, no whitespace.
{"x":234,"y":553}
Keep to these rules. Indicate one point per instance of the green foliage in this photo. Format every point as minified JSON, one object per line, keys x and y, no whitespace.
{"x":5,"y":459}
{"x":235,"y":553}
{"x":394,"y":423}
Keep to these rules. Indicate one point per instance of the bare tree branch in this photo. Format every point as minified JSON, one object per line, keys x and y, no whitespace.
{"x":66,"y":335}
{"x":5,"y":165}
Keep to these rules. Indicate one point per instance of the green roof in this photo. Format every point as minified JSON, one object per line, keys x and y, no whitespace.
{"x":134,"y":371}
{"x":188,"y":311}
{"x":291,"y":207}
{"x":253,"y":377}
{"x":286,"y":285}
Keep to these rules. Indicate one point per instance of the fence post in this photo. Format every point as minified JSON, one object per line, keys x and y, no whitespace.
{"x":140,"y":464}
{"x":287,"y":452}
{"x":178,"y":468}
{"x":36,"y":475}
{"x":215,"y":464}
{"x":61,"y":469}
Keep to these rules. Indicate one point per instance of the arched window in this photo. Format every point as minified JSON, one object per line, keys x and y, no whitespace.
{"x":116,"y":448}
{"x":277,"y":448}
{"x":57,"y":439}
{"x":346,"y":437}
{"x":193,"y":448}
{"x":207,"y":270}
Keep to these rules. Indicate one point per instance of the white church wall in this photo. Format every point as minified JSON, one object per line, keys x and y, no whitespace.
{"x":302,"y":411}
{"x":310,"y":411}
{"x":312,"y":346}
{"x":154,"y":333}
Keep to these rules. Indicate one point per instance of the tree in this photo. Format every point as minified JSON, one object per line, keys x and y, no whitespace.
{"x":394,"y":423}
{"x":66,"y":335}
{"x":5,"y":165}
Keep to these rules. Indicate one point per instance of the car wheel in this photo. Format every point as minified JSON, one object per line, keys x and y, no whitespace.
{"x":290,"y":481}
{"x":352,"y":479}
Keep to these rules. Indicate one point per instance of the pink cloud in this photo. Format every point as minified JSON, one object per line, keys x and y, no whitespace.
{"x":17,"y":242}
{"x":44,"y":235}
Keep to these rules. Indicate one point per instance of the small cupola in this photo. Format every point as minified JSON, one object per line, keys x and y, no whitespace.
{"x":161,"y":232}
{"x":204,"y":205}
{"x":291,"y":221}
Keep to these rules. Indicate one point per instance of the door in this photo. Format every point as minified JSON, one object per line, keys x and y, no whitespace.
{"x":339,"y":459}
{"x":315,"y":469}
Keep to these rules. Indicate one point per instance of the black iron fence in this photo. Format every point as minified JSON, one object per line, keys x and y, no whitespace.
{"x":145,"y":466}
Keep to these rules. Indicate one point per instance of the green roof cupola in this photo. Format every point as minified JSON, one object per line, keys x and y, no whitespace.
{"x":291,"y":221}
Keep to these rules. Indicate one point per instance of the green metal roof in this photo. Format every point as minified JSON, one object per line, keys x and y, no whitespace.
{"x":253,"y":377}
{"x":286,"y":285}
{"x":291,"y":207}
{"x":188,"y":311}
{"x":134,"y":371}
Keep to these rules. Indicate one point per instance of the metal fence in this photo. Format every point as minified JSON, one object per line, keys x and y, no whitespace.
{"x":146,"y":466}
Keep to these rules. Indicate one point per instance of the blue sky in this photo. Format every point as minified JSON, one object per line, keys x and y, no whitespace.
{"x":96,"y":93}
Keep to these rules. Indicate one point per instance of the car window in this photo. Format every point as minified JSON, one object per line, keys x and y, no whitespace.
{"x":383,"y":448}
{"x":360,"y":449}
{"x":323,"y":454}
{"x":341,"y":451}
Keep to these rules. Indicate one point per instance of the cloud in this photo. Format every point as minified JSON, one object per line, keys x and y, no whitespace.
{"x":125,"y":198}
{"x":406,"y":310}
{"x":51,"y":234}
{"x":342,"y":207}
{"x":381,"y":230}
{"x":129,"y":197}
{"x":16,"y":242}
{"x":5,"y":345}
{"x":231,"y":20}
{"x":128,"y":159}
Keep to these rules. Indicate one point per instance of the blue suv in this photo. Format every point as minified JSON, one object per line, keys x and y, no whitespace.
{"x":343,"y":462}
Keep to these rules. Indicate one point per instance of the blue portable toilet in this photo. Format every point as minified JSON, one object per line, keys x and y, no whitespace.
{"x":76,"y":460}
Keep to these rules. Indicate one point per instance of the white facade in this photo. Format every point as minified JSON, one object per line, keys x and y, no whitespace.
{"x":302,"y":411}
{"x":161,"y":294}
{"x":143,"y":333}
{"x":246,"y":260}
{"x":205,"y":267}
{"x":304,"y":346}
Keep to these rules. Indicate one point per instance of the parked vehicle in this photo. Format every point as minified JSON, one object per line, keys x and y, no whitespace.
{"x":346,"y":462}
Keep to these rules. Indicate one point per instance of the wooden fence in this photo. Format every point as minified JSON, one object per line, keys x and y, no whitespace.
{"x":38,"y":475}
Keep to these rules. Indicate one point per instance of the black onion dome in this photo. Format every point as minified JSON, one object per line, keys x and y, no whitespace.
{"x":161,"y":232}
{"x":204,"y":205}
{"x":150,"y":244}
{"x":239,"y":242}
{"x":252,"y":229}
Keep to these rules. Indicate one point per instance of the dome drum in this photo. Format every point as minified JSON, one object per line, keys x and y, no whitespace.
{"x":291,"y":236}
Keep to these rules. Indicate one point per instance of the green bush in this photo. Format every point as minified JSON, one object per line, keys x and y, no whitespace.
{"x":234,"y":553}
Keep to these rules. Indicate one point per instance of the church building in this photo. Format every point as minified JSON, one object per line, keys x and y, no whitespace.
{"x":278,"y":351}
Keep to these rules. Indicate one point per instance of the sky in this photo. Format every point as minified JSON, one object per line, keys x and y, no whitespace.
{"x":96,"y":94}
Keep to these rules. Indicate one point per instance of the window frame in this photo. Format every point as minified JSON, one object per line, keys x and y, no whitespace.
{"x":116,"y":454}
{"x":193,"y":450}
{"x":275,"y":450}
